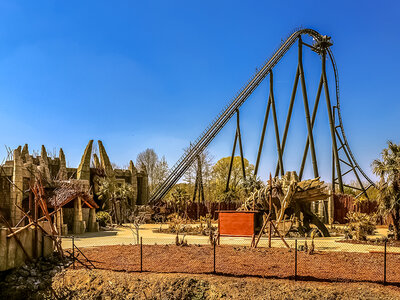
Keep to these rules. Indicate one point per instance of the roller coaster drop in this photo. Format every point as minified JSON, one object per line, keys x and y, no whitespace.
{"x":341,"y":153}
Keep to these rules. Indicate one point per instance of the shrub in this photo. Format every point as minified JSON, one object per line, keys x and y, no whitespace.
{"x":103,"y":218}
{"x":360,"y":225}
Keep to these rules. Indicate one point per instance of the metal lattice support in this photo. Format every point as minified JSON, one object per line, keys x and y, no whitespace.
{"x":341,"y":153}
{"x":238,"y":136}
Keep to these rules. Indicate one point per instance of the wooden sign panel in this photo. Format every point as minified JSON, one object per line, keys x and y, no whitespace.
{"x":236,"y":223}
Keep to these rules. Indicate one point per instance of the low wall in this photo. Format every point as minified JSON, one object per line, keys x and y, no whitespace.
{"x":11,"y":254}
{"x":346,"y":203}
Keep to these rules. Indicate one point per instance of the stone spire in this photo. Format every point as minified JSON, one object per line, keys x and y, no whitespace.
{"x":134,"y":181}
{"x":96,"y":161}
{"x":25,"y":153}
{"x":105,"y":161}
{"x":83,"y":171}
{"x":44,"y":164}
{"x":62,"y":173}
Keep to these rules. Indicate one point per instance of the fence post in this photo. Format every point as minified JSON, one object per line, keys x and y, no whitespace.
{"x":73,"y":252}
{"x":215,"y":242}
{"x":141,"y":254}
{"x":384,"y":265}
{"x":295,"y":260}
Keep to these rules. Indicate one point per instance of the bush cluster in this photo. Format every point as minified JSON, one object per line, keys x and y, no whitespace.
{"x":103,"y":218}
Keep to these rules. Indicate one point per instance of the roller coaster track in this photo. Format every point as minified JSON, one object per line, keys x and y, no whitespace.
{"x":198,"y":146}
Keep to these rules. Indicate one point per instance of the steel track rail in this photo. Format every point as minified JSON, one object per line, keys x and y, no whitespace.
{"x":226,"y":114}
{"x":336,"y":74}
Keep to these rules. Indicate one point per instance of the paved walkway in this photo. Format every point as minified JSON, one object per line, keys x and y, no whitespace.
{"x":125,"y":236}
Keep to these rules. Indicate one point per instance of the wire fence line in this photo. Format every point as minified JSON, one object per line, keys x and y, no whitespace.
{"x":303,"y":260}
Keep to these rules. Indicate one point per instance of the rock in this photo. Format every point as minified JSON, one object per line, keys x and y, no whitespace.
{"x":24,"y":272}
{"x":42,"y":285}
{"x":11,"y":278}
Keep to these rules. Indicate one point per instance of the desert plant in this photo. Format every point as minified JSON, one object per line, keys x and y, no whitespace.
{"x":360,"y":225}
{"x":388,"y":169}
{"x":115,"y":197}
{"x":177,"y":224}
{"x":103,"y":218}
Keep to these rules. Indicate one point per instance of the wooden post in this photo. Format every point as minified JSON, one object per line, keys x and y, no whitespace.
{"x":36,"y":254}
{"x":270,"y":210}
{"x":269,"y":234}
{"x":384,"y":264}
{"x":73,"y":252}
{"x":295,"y":259}
{"x":215,"y":242}
{"x":141,"y":254}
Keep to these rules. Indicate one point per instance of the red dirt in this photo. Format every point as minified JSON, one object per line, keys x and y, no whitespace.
{"x":240,"y":261}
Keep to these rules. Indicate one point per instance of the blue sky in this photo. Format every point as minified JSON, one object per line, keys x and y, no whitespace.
{"x":153,"y":74}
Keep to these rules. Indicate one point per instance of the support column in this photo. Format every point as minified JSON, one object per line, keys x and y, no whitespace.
{"x":289,"y":115}
{"x":331,"y":208}
{"x":231,"y":164}
{"x":17,"y":188}
{"x":278,"y":141}
{"x":306,"y":109}
{"x":240,"y":143}
{"x":79,"y":224}
{"x":331,"y":121}
{"x":314,"y":115}
{"x":58,"y":222}
{"x":93,"y":225}
{"x":262,"y":136}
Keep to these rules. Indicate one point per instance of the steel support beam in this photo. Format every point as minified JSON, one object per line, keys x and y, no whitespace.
{"x":333,"y":187}
{"x":351,"y":163}
{"x":289,"y":115}
{"x":331,"y":121}
{"x":231,"y":164}
{"x":278,"y":141}
{"x":313,"y":117}
{"x":262,"y":137}
{"x":240,"y":143}
{"x":238,"y":136}
{"x":307,"y":110}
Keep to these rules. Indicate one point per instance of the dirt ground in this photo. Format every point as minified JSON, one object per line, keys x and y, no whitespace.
{"x":245,"y":261}
{"x":102,"y":284}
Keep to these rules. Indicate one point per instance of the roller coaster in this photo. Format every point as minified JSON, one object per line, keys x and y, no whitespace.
{"x":342,"y":156}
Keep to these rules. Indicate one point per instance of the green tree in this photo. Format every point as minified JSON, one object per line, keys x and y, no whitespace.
{"x":178,"y":198}
{"x":236,"y":183}
{"x":115,"y":197}
{"x":388,"y":170}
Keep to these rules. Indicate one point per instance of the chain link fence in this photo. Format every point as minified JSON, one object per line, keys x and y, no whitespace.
{"x":319,"y":259}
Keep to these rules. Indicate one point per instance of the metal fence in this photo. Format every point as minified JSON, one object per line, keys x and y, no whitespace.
{"x":321,"y":259}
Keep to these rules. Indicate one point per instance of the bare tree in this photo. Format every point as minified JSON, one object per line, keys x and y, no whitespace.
{"x":147,"y":161}
{"x":156,"y":169}
{"x":206,"y":162}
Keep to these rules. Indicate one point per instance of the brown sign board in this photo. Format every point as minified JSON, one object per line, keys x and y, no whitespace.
{"x":238,"y":223}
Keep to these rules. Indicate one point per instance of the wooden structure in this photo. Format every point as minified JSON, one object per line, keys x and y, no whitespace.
{"x":239,"y":223}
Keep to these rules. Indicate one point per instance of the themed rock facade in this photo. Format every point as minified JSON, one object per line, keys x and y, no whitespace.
{"x":19,"y":171}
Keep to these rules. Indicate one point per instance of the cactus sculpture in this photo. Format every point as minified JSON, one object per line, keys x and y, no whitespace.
{"x":290,"y":198}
